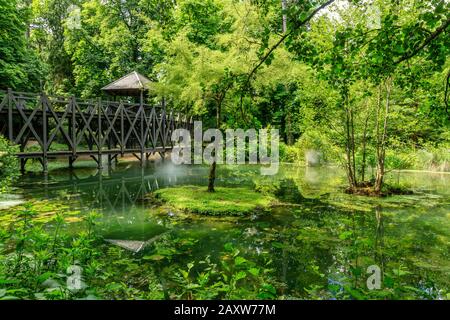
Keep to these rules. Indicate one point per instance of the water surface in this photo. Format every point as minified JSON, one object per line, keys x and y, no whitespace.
{"x":318,"y":246}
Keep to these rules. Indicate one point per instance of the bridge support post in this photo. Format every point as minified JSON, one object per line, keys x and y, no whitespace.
{"x":162,"y":154}
{"x":142,"y":143}
{"x":99,"y":135}
{"x":110,"y":156}
{"x":71,"y":161}
{"x":10,"y":115}
{"x":23,"y":162}
{"x":73,"y":132}
{"x":45,"y":146}
{"x":45,"y":165}
{"x":143,"y":162}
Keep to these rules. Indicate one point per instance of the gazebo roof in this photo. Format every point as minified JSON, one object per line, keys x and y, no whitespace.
{"x":130,"y":85}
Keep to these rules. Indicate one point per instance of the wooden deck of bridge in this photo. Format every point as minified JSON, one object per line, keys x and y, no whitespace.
{"x":85,"y":128}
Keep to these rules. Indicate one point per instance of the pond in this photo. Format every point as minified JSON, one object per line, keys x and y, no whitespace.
{"x":318,"y":245}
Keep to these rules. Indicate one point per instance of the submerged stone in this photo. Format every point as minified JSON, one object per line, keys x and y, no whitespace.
{"x":131,"y":245}
{"x":10,"y":201}
{"x":7,"y":204}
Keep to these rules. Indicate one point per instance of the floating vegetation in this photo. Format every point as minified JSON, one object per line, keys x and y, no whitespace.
{"x":45,"y":211}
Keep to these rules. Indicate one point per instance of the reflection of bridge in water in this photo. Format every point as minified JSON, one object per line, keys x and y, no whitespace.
{"x":117,"y":193}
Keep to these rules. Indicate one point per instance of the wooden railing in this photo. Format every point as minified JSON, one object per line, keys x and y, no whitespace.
{"x":46,"y":127}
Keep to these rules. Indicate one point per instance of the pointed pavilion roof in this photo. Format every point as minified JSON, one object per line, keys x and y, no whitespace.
{"x":130,"y":85}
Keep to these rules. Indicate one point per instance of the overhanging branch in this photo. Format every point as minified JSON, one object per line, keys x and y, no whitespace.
{"x":286,"y":35}
{"x":297,"y":26}
{"x":427,"y":41}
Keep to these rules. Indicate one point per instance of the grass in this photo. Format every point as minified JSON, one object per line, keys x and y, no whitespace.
{"x":223,"y":202}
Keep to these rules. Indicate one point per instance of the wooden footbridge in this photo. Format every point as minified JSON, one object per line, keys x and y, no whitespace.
{"x":48,"y":127}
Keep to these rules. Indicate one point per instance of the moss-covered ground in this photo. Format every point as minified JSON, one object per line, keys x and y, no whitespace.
{"x":223,"y":202}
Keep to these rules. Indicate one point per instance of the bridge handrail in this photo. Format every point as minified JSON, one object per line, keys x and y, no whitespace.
{"x":29,"y":96}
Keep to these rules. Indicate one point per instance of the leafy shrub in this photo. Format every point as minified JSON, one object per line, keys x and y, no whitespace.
{"x":9,"y":164}
{"x":399,"y":160}
{"x":291,"y":154}
{"x":313,"y":148}
{"x":266,"y":186}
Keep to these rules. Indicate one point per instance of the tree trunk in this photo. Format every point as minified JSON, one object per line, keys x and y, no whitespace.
{"x":284,"y":7}
{"x":289,"y":136}
{"x":364,"y":146}
{"x":350,"y":146}
{"x":353,"y":146}
{"x":381,"y":142}
{"x":212,"y":169}
{"x":212,"y":177}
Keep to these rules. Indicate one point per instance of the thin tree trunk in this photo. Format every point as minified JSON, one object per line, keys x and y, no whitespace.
{"x":349,"y":165}
{"x":290,"y":138}
{"x":284,"y":7}
{"x":353,"y":146}
{"x":381,"y":147}
{"x":350,"y":144}
{"x":377,"y":121}
{"x":212,"y":177}
{"x":364,"y":146}
{"x":212,"y":169}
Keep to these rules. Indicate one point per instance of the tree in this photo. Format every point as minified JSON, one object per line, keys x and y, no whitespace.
{"x":373,"y":45}
{"x":19,"y":66}
{"x":111,"y":41}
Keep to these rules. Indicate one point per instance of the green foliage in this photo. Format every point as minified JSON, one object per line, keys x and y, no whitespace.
{"x":223,"y":202}
{"x":266,"y":186}
{"x":200,"y":53}
{"x":234,"y":278}
{"x":325,"y":88}
{"x":9,"y":164}
{"x":202,"y":21}
{"x":19,"y":66}
{"x":37,"y":266}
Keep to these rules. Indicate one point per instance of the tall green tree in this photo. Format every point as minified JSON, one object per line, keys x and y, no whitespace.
{"x":379,"y":42}
{"x":19,"y":65}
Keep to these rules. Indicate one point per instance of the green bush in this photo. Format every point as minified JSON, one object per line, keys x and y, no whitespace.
{"x":291,"y":154}
{"x":266,"y":186}
{"x":9,"y":164}
{"x":313,"y":148}
{"x":399,"y":160}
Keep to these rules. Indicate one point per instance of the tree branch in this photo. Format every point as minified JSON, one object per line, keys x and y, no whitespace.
{"x":427,"y":41}
{"x":286,"y":35}
{"x":276,"y":45}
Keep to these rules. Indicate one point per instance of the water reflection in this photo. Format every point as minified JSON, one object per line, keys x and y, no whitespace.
{"x":113,"y":191}
{"x":319,"y":245}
